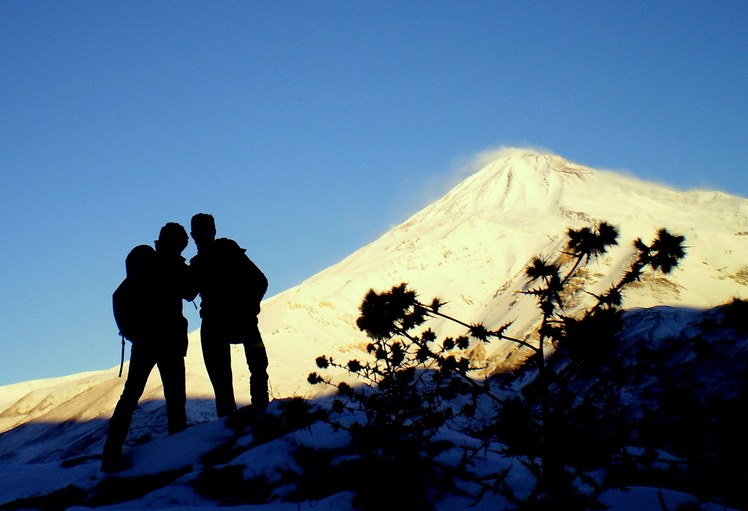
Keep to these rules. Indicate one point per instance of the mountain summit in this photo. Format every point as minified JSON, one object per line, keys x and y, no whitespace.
{"x":468,"y":248}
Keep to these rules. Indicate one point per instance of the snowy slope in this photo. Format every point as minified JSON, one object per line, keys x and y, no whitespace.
{"x":210,"y":466}
{"x":167,"y":473}
{"x":468,"y":248}
{"x":66,"y":417}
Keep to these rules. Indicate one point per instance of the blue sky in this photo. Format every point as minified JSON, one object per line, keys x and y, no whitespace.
{"x":309,"y":128}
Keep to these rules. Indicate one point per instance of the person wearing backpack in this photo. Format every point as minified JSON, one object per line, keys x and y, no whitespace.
{"x":148,"y":311}
{"x":231,"y":288}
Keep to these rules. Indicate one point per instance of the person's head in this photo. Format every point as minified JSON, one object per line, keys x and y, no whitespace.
{"x":140,"y":262}
{"x":203,"y":229}
{"x":172,"y":238}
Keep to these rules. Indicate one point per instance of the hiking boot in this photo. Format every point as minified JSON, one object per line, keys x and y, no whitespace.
{"x":114,"y":463}
{"x":244,"y":417}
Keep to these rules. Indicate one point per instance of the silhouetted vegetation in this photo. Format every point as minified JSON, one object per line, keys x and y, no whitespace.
{"x":565,"y":414}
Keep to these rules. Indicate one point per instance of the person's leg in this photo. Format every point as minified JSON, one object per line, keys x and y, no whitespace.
{"x":141,"y":364}
{"x":217,"y":357}
{"x":257,"y":362}
{"x":171,"y":368}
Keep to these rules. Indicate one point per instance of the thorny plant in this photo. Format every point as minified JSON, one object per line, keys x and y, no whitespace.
{"x":413,"y":379}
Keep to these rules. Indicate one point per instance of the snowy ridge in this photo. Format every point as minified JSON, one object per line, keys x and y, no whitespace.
{"x":468,"y":248}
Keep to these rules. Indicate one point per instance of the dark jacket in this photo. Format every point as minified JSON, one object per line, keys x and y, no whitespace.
{"x":231,"y":286}
{"x":148,"y":304}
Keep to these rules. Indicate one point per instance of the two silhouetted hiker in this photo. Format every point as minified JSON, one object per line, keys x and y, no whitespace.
{"x":148,"y":311}
{"x":231,"y":288}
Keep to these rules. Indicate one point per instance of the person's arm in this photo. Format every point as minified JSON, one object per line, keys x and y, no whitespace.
{"x":190,"y":288}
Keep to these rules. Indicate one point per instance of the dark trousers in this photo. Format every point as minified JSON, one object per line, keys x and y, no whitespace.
{"x":142,"y":361}
{"x":216,"y":339}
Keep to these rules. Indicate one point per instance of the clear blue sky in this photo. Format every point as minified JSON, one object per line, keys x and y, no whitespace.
{"x":309,"y":128}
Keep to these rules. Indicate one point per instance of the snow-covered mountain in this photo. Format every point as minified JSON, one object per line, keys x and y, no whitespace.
{"x":469,"y":248}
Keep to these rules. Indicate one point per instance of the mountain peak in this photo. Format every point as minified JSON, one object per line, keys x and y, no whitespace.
{"x":525,"y":161}
{"x":544,"y":163}
{"x":515,"y":181}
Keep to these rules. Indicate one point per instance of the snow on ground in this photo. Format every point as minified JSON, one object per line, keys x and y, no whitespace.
{"x":182,"y":455}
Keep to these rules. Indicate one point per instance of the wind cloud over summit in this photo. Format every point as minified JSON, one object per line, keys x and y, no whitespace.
{"x":462,"y":168}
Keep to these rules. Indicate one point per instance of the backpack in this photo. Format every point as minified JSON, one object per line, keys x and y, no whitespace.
{"x":230,"y":284}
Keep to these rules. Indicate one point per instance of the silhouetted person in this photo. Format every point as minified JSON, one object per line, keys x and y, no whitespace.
{"x":148,"y":311}
{"x":231,"y":288}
